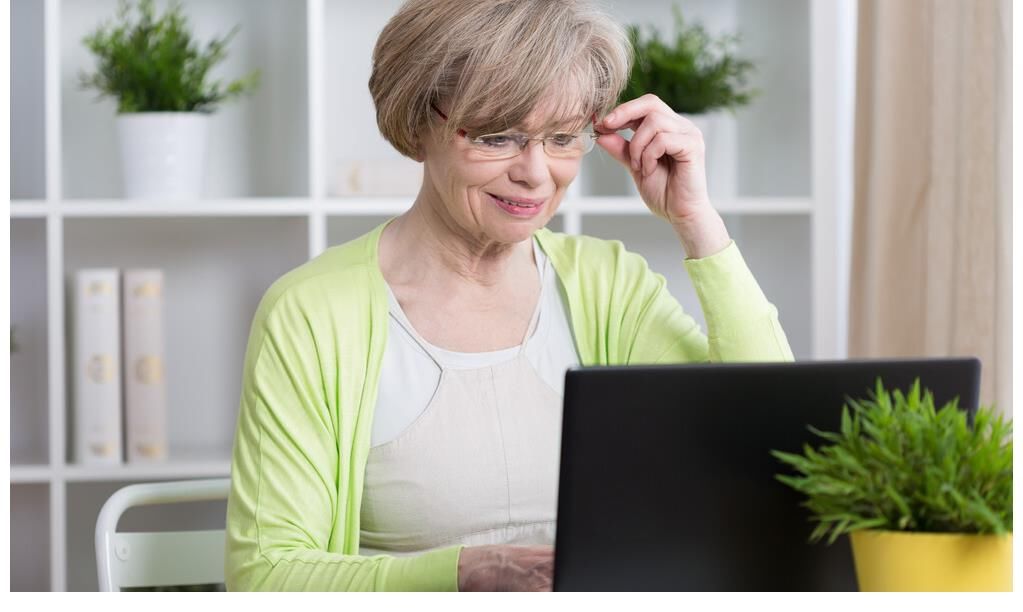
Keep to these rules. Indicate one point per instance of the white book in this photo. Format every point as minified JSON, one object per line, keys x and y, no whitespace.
{"x":145,"y":389}
{"x":97,"y":363}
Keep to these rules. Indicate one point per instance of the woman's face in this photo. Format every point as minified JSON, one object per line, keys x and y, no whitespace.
{"x":463,"y":187}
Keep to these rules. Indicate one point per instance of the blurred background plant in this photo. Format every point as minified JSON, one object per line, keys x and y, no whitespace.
{"x":695,"y":73}
{"x":154,"y":64}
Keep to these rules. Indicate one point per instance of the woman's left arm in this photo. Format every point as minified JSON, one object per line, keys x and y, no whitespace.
{"x":667,"y":161}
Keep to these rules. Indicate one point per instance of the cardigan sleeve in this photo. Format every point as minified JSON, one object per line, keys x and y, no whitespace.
{"x":282,"y":515}
{"x":741,"y":324}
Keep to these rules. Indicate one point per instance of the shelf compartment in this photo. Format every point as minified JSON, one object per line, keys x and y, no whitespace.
{"x":350,"y":127}
{"x":258,"y":144}
{"x":28,"y":99}
{"x":30,"y":511}
{"x":216,"y":270}
{"x":774,"y":148}
{"x":29,"y":386}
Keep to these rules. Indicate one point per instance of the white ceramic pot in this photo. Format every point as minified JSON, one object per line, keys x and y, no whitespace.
{"x":720,"y":139}
{"x":163,"y":154}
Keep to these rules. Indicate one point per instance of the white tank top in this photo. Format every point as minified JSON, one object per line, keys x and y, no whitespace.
{"x":409,"y":377}
{"x":475,"y":459}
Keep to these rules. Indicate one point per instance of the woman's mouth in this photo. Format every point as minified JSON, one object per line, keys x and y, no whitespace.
{"x":517,"y":208}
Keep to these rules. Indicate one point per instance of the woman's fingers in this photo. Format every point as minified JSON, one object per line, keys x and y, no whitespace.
{"x":677,"y":145}
{"x":601,"y":128}
{"x":653,"y":125}
{"x":501,"y":567}
{"x":661,"y":143}
{"x":628,"y":115}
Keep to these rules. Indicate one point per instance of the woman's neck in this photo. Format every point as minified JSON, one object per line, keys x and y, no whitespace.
{"x":425,"y":247}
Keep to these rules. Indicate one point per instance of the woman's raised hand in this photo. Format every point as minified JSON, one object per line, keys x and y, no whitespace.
{"x":666,"y":158}
{"x":502,"y":567}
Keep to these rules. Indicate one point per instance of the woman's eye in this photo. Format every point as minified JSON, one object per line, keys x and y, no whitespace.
{"x":563,"y":140}
{"x":496,"y":141}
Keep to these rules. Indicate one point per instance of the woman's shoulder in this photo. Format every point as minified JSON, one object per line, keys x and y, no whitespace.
{"x":583,"y":256}
{"x":341,"y":275}
{"x":574,"y":245}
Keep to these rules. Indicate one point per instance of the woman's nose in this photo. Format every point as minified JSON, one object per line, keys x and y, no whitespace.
{"x":531,"y":164}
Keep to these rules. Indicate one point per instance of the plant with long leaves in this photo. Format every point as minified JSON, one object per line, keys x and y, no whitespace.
{"x":154,"y":65}
{"x":695,"y":74}
{"x":900,"y":464}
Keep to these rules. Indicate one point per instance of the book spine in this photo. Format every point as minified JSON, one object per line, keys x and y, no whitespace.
{"x":97,"y":356}
{"x":145,"y":405}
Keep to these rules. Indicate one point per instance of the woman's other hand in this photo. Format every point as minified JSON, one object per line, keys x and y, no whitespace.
{"x":666,"y":158}
{"x":506,"y":568}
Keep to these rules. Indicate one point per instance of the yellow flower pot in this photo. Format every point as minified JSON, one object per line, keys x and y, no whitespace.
{"x":912,"y":561}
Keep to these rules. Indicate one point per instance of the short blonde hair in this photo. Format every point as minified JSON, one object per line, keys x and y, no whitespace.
{"x":488,"y":63}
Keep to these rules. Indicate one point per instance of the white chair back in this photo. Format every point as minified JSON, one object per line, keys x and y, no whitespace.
{"x":162,"y":558}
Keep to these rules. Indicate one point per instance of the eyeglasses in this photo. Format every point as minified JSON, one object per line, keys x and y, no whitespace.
{"x":563,"y":145}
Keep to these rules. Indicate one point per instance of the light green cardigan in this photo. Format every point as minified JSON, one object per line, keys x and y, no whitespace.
{"x":309,"y":388}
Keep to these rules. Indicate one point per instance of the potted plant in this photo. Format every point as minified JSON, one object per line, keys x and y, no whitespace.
{"x":701,"y":78}
{"x":925,"y":496}
{"x":158,"y":75}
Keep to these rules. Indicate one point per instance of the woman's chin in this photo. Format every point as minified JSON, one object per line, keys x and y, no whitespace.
{"x":517,"y":230}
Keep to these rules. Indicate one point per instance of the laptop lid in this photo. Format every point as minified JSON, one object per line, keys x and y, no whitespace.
{"x":667,"y":482}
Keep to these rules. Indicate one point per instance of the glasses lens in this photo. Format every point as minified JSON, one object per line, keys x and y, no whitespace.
{"x":562,"y":145}
{"x":497,"y":146}
{"x":569,"y":145}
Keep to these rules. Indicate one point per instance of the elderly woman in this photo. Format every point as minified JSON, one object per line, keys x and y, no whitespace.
{"x":401,"y":405}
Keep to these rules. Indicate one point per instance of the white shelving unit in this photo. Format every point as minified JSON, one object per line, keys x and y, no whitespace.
{"x":270,"y":208}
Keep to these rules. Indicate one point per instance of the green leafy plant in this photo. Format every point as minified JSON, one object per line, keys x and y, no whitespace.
{"x":696,"y":74}
{"x":154,"y":65}
{"x":900,"y":464}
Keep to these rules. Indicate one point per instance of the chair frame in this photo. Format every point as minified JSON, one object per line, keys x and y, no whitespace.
{"x":162,"y":558}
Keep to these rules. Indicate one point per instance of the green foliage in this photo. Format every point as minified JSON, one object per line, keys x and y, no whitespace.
{"x":899,"y":464}
{"x":696,"y":75}
{"x":154,"y":65}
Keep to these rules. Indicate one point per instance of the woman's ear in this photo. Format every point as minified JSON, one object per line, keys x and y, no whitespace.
{"x":419,"y":154}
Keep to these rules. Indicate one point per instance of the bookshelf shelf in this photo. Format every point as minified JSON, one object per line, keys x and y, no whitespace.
{"x":171,"y":470}
{"x":24,"y":209}
{"x":274,"y":164}
{"x":243,"y":207}
{"x":28,"y":474}
{"x":184,"y":469}
{"x":290,"y":207}
{"x":629,"y":205}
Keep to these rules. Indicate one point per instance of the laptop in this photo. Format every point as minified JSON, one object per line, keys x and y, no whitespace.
{"x":667,"y":482}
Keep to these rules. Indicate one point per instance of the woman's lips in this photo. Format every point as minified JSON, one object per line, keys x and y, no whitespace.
{"x":518,"y":211}
{"x":518,"y":200}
